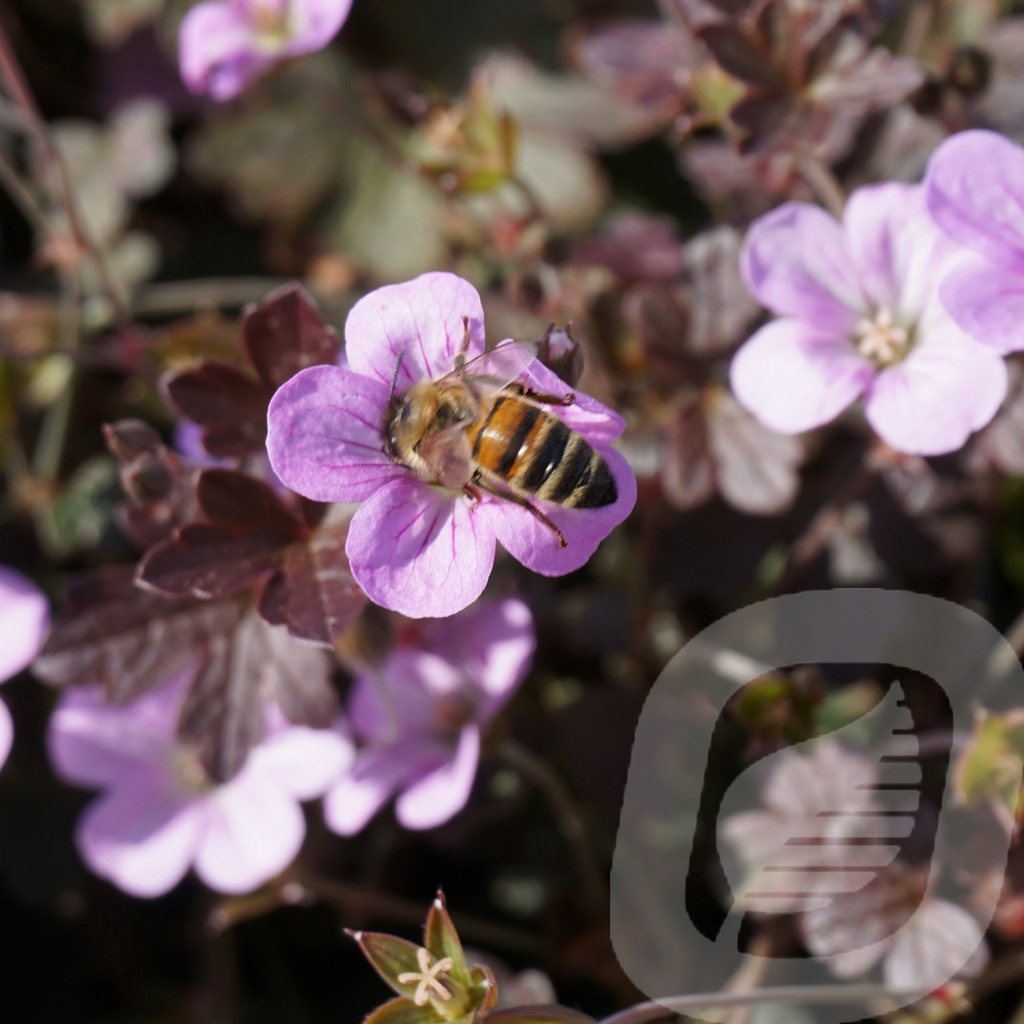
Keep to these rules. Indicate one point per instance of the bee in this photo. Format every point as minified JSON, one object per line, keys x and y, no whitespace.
{"x":479,"y":429}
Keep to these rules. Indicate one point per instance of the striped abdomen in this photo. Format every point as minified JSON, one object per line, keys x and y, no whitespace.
{"x":535,"y":453}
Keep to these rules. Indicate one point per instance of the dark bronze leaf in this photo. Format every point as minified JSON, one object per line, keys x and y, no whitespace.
{"x":126,"y":639}
{"x":241,"y":502}
{"x":285,"y":334}
{"x":737,"y":54}
{"x":214,"y":394}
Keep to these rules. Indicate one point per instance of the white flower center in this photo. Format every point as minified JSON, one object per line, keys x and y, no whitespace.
{"x":880,"y":339}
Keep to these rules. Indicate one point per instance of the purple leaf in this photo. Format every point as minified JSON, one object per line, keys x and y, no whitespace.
{"x":740,"y":56}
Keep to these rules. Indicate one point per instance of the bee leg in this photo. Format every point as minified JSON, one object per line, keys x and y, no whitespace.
{"x":509,"y":495}
{"x":540,"y":397}
{"x":474,"y":494}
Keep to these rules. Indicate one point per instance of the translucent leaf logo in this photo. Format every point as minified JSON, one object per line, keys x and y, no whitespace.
{"x":817,"y":829}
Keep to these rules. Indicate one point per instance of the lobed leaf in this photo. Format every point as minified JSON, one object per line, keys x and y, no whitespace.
{"x":740,"y":56}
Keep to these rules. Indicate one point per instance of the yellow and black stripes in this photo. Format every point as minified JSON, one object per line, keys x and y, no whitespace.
{"x":535,"y":453}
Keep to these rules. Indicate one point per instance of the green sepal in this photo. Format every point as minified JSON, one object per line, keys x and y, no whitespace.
{"x":402,"y":1011}
{"x":390,"y":956}
{"x":441,"y":940}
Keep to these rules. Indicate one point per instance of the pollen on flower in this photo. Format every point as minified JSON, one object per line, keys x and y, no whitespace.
{"x":881,"y":339}
{"x":427,"y":979}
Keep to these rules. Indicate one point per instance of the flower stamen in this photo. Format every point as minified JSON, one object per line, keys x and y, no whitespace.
{"x":881,"y":339}
{"x":426,"y":979}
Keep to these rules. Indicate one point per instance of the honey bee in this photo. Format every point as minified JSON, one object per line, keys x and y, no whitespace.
{"x":479,"y":429}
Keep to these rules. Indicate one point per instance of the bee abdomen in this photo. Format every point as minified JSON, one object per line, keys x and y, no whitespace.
{"x":562,"y":468}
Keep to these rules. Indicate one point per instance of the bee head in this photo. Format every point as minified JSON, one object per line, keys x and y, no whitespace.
{"x":407,"y":419}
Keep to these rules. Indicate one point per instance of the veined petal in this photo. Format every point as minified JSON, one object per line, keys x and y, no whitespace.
{"x":216,"y":50}
{"x":948,"y":387}
{"x":794,"y":377}
{"x":444,"y":792}
{"x":24,"y":619}
{"x":796,"y":262}
{"x":324,"y":435}
{"x":420,"y":321}
{"x":253,"y":831}
{"x":898,"y":250}
{"x":987,"y":301}
{"x":975,"y":191}
{"x":141,"y":836}
{"x":535,"y":545}
{"x":419,"y":550}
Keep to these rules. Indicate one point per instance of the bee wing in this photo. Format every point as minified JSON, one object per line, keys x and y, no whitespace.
{"x":501,"y":365}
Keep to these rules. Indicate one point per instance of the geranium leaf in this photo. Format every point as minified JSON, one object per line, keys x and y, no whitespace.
{"x":242,"y":502}
{"x":737,"y":54}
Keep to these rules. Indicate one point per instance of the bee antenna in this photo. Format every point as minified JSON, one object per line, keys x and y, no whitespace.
{"x":394,"y":376}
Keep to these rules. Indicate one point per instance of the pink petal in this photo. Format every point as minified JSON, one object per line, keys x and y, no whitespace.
{"x":92,"y":743}
{"x":254,"y":829}
{"x":939,"y":942}
{"x":402,"y":695}
{"x":493,"y":644}
{"x":216,"y":50}
{"x":325,"y":435}
{"x":975,"y":191}
{"x":24,"y":620}
{"x":796,"y":262}
{"x":793,"y":377}
{"x":595,"y":421}
{"x":535,"y":545}
{"x":378,"y":773}
{"x":987,"y":302}
{"x":6,"y":732}
{"x":899,"y":252}
{"x":948,"y":387}
{"x":142,"y":836}
{"x":419,"y":550}
{"x":304,"y":762}
{"x":319,"y":24}
{"x":444,"y":792}
{"x":421,"y":321}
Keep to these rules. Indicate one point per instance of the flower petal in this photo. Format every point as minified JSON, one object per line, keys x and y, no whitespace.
{"x":320,"y":22}
{"x":304,"y":762}
{"x":444,"y":792}
{"x":254,"y":829}
{"x":6,"y":732}
{"x":975,"y":191}
{"x":324,"y":435}
{"x":92,"y":743}
{"x":420,"y":321}
{"x":535,"y":545}
{"x":493,"y":645}
{"x":24,"y":620}
{"x":987,"y":301}
{"x":796,"y":263}
{"x":899,"y":252}
{"x":793,"y":377}
{"x":142,"y":836}
{"x":948,"y":387}
{"x":420,"y":551}
{"x":216,"y":50}
{"x":378,"y":773}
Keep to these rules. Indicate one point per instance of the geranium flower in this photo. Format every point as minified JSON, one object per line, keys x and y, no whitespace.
{"x":224,"y":44}
{"x":860,"y":317}
{"x":24,"y":619}
{"x":975,"y":192}
{"x":420,"y":714}
{"x":415,"y":546}
{"x":160,"y":814}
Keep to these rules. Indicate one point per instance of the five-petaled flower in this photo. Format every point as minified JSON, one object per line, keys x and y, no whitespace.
{"x":415,"y":545}
{"x":224,"y":44}
{"x":160,"y":813}
{"x":860,"y":316}
{"x":420,"y":714}
{"x":975,"y":192}
{"x":24,"y":618}
{"x":426,"y":979}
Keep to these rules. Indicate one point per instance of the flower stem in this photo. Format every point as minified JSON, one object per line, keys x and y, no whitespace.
{"x":801,"y":995}
{"x":824,"y":183}
{"x":566,"y":814}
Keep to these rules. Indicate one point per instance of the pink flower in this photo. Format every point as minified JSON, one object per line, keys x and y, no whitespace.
{"x":159,"y":813}
{"x":420,"y":715}
{"x":860,"y":317}
{"x":975,"y":192}
{"x":414,"y":545}
{"x":224,"y":44}
{"x":24,"y":620}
